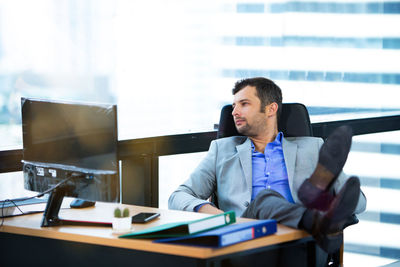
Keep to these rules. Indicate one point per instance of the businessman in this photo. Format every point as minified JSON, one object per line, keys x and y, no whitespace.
{"x":263,"y":175}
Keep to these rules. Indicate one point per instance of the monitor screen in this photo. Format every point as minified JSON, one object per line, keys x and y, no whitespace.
{"x":61,"y":139}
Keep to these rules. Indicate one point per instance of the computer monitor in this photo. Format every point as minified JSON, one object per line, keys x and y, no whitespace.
{"x":74,"y":144}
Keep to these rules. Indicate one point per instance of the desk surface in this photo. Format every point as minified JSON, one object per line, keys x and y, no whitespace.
{"x":29,"y":225}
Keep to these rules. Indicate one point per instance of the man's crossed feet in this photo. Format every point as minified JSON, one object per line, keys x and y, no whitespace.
{"x":315,"y":191}
{"x":327,"y":215}
{"x":326,"y":227}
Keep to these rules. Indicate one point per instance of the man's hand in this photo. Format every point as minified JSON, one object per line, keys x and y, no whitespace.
{"x":208,"y":208}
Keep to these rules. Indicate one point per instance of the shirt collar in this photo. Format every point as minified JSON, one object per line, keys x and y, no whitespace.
{"x":276,"y":142}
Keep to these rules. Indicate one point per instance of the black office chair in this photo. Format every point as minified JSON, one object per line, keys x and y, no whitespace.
{"x":294,"y":121}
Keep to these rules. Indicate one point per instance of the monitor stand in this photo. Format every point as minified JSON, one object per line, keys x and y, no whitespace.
{"x":50,"y":216}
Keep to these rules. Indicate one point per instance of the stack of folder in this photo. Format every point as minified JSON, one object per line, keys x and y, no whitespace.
{"x":214,"y":231}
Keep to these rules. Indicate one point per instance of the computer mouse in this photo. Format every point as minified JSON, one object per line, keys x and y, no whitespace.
{"x":81,"y":203}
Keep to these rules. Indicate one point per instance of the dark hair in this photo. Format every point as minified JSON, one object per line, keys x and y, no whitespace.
{"x":267,"y":91}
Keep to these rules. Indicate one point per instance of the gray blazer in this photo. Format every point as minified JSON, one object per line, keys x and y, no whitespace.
{"x":227,"y":168}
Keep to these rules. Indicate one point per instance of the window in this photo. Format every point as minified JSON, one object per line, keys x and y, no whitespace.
{"x":173,"y":63}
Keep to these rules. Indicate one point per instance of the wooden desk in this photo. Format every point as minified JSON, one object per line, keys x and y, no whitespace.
{"x":23,"y":240}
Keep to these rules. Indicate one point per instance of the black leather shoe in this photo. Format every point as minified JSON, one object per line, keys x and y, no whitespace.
{"x":315,"y":191}
{"x":327,"y":226}
{"x":331,"y":243}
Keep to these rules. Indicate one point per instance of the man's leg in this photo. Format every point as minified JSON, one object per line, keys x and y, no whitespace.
{"x":269,"y":204}
{"x":325,"y":227}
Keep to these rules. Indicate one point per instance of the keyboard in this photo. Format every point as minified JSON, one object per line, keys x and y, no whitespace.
{"x":21,"y":202}
{"x":8,"y":209}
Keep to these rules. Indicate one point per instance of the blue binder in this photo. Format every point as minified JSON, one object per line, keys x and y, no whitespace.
{"x":227,"y":235}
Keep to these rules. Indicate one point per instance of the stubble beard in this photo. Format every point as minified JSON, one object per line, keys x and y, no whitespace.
{"x":251,"y":130}
{"x":245,"y":130}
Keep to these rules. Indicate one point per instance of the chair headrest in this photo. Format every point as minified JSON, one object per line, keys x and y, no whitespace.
{"x":294,"y":121}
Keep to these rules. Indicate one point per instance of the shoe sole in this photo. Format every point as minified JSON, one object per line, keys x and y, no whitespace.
{"x":344,"y":206}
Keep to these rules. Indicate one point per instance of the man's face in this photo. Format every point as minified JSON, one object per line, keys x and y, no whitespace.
{"x":249,"y":120}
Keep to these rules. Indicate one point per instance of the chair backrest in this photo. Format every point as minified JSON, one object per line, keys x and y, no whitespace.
{"x":294,"y":121}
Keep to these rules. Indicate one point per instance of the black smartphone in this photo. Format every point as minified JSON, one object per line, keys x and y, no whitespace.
{"x":144,"y":217}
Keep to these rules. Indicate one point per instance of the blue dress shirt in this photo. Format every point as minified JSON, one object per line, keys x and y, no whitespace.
{"x":269,"y":169}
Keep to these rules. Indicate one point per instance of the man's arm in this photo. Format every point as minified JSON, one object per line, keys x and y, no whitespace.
{"x":199,"y":187}
{"x":210,"y":209}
